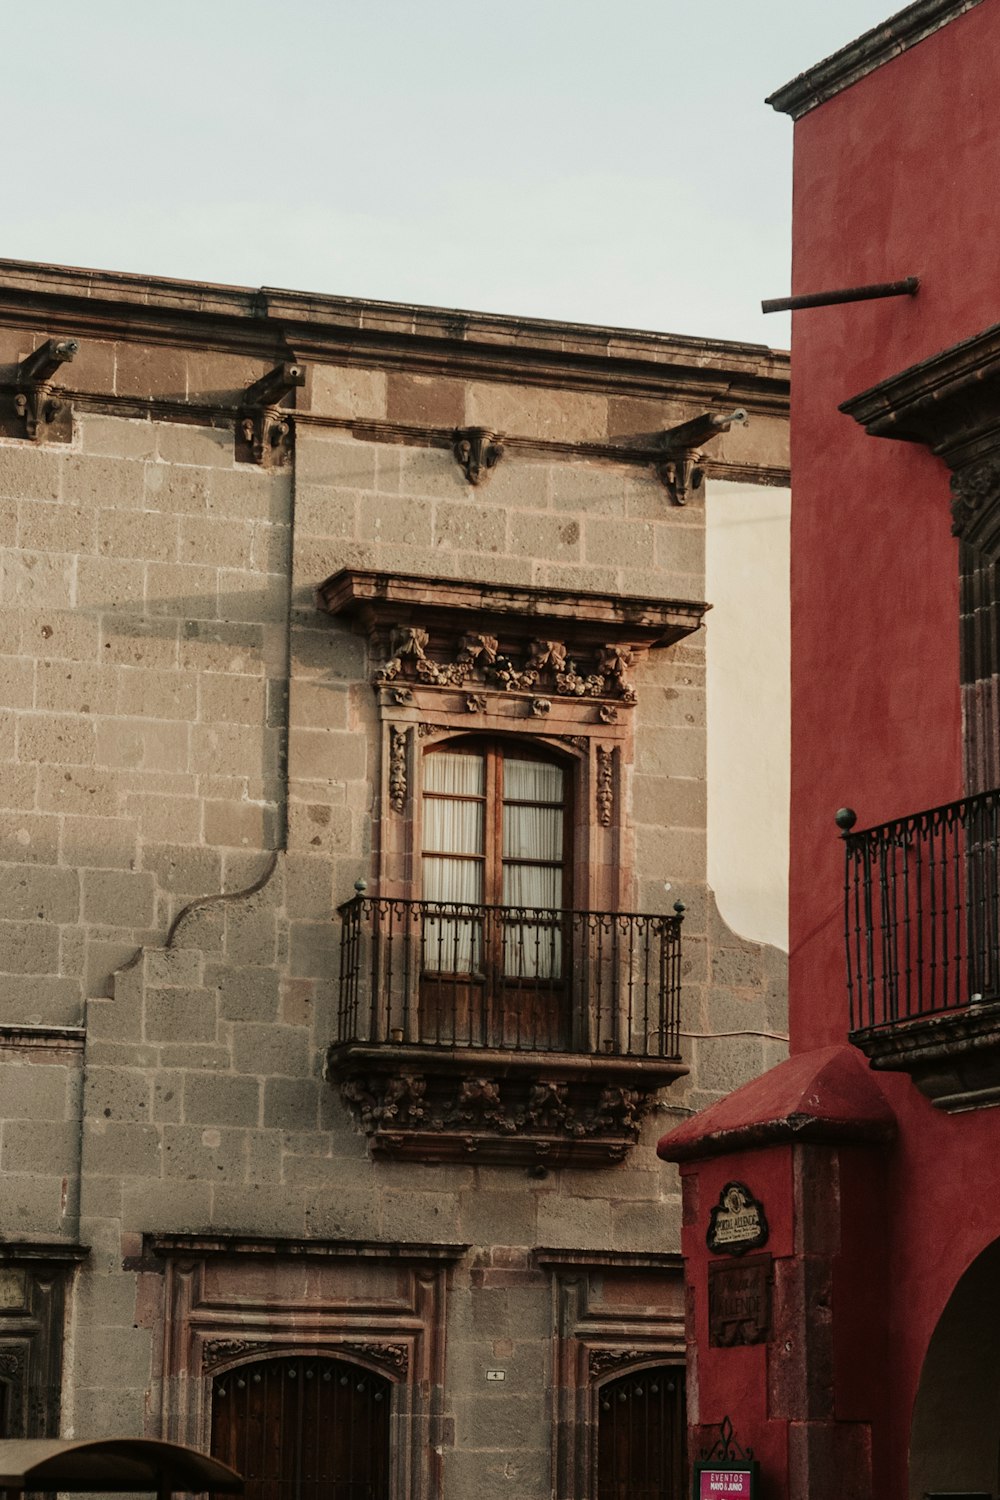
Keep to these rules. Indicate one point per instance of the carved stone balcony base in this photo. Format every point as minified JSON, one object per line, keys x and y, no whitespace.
{"x":438,"y":1104}
{"x":952,"y":1057}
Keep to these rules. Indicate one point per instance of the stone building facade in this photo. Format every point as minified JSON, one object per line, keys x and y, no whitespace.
{"x":266,"y":556}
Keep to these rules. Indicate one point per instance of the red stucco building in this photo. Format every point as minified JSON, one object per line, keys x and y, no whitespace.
{"x":854,"y":1345}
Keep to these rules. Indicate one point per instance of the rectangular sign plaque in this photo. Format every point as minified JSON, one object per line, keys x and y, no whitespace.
{"x":739,"y":1302}
{"x":714,"y":1481}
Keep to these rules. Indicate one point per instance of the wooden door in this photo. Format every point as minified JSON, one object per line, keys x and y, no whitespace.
{"x":305,"y":1427}
{"x":641,"y":1433}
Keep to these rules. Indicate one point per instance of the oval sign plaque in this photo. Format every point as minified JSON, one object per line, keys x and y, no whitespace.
{"x":737,"y":1223}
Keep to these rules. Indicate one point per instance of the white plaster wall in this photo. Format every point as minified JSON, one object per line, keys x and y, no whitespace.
{"x":746,"y":567}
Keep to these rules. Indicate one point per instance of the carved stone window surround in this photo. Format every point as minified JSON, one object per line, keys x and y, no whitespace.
{"x":457,"y":660}
{"x":598,"y":1339}
{"x":950,"y":403}
{"x":452,"y":657}
{"x":34,"y":1279}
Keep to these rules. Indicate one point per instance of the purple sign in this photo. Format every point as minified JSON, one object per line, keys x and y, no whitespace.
{"x":725,"y":1484}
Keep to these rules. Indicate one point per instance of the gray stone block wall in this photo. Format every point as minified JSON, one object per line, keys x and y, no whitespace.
{"x":144,"y":598}
{"x":150,"y":662}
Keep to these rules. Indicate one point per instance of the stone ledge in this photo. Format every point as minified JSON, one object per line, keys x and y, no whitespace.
{"x":539,"y":1109}
{"x":953,"y":1058}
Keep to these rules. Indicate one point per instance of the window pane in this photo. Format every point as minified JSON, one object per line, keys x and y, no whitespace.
{"x":532,"y":781}
{"x":453,"y":880}
{"x":532,"y":885}
{"x":459,"y":775}
{"x":453,"y":827}
{"x":532,"y":832}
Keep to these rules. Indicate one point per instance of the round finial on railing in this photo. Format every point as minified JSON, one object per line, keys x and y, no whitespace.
{"x":680,"y":908}
{"x":845,"y":818}
{"x":361,"y":886}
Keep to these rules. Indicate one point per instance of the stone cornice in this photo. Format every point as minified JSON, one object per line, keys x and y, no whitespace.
{"x":274,"y":324}
{"x":382,"y":601}
{"x":48,"y":1252}
{"x":632,"y":1260}
{"x":207,"y":1246}
{"x":859,"y":58}
{"x":945,"y":401}
{"x":42,"y":1038}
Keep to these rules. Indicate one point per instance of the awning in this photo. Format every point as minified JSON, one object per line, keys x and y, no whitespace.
{"x":111,"y":1464}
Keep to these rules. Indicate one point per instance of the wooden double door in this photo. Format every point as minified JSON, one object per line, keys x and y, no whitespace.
{"x":642,"y":1436}
{"x":496,"y":936}
{"x":305,"y":1427}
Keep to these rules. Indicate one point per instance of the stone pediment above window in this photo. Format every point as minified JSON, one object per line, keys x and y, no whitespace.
{"x":951,"y":403}
{"x":485,"y":639}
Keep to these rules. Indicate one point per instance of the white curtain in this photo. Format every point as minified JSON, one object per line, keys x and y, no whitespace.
{"x":453,"y":827}
{"x":532,"y":949}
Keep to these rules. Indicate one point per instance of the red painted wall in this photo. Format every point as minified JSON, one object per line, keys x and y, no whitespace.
{"x":734,"y":1382}
{"x":896,"y":176}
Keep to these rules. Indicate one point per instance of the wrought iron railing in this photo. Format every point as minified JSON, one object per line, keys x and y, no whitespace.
{"x":922,"y":912}
{"x":519,"y":978}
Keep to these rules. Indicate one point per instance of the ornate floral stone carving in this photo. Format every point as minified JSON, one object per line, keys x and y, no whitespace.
{"x":605,"y":785}
{"x":603,"y":1361}
{"x":534,"y":1111}
{"x":476,"y":703}
{"x":975,"y":491}
{"x":217,"y":1352}
{"x":404,"y":1099}
{"x":548,"y":1106}
{"x":395,"y":1356}
{"x":476,"y":659}
{"x":478,"y":1102}
{"x":398,"y":746}
{"x":12,"y":1365}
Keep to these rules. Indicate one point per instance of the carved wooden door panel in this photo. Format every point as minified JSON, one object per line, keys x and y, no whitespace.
{"x":641,"y":1431}
{"x":304,"y":1428}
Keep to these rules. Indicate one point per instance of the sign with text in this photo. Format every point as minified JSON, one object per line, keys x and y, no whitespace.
{"x":737,"y":1223}
{"x":717,"y":1482}
{"x":739,"y":1302}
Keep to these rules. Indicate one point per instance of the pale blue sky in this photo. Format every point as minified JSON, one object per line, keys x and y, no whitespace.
{"x":604,"y":161}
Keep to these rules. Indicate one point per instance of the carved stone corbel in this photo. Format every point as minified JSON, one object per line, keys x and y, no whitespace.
{"x":478,"y":451}
{"x":44,"y":413}
{"x":263,"y":427}
{"x":682,"y":467}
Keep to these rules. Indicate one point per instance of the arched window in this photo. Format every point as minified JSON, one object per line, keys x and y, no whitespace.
{"x":305,"y":1427}
{"x":641,"y":1429}
{"x":496,"y":859}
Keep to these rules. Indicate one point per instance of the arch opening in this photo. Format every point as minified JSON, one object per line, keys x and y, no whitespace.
{"x":955,"y":1433}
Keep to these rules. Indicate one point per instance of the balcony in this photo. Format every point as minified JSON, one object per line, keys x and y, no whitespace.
{"x":922,"y":930}
{"x":498,"y":1033}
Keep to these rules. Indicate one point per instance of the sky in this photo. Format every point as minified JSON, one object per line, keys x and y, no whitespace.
{"x":598,"y":161}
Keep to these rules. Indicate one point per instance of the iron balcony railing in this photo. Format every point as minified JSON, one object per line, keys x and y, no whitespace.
{"x":520,"y":978}
{"x":921,"y":912}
